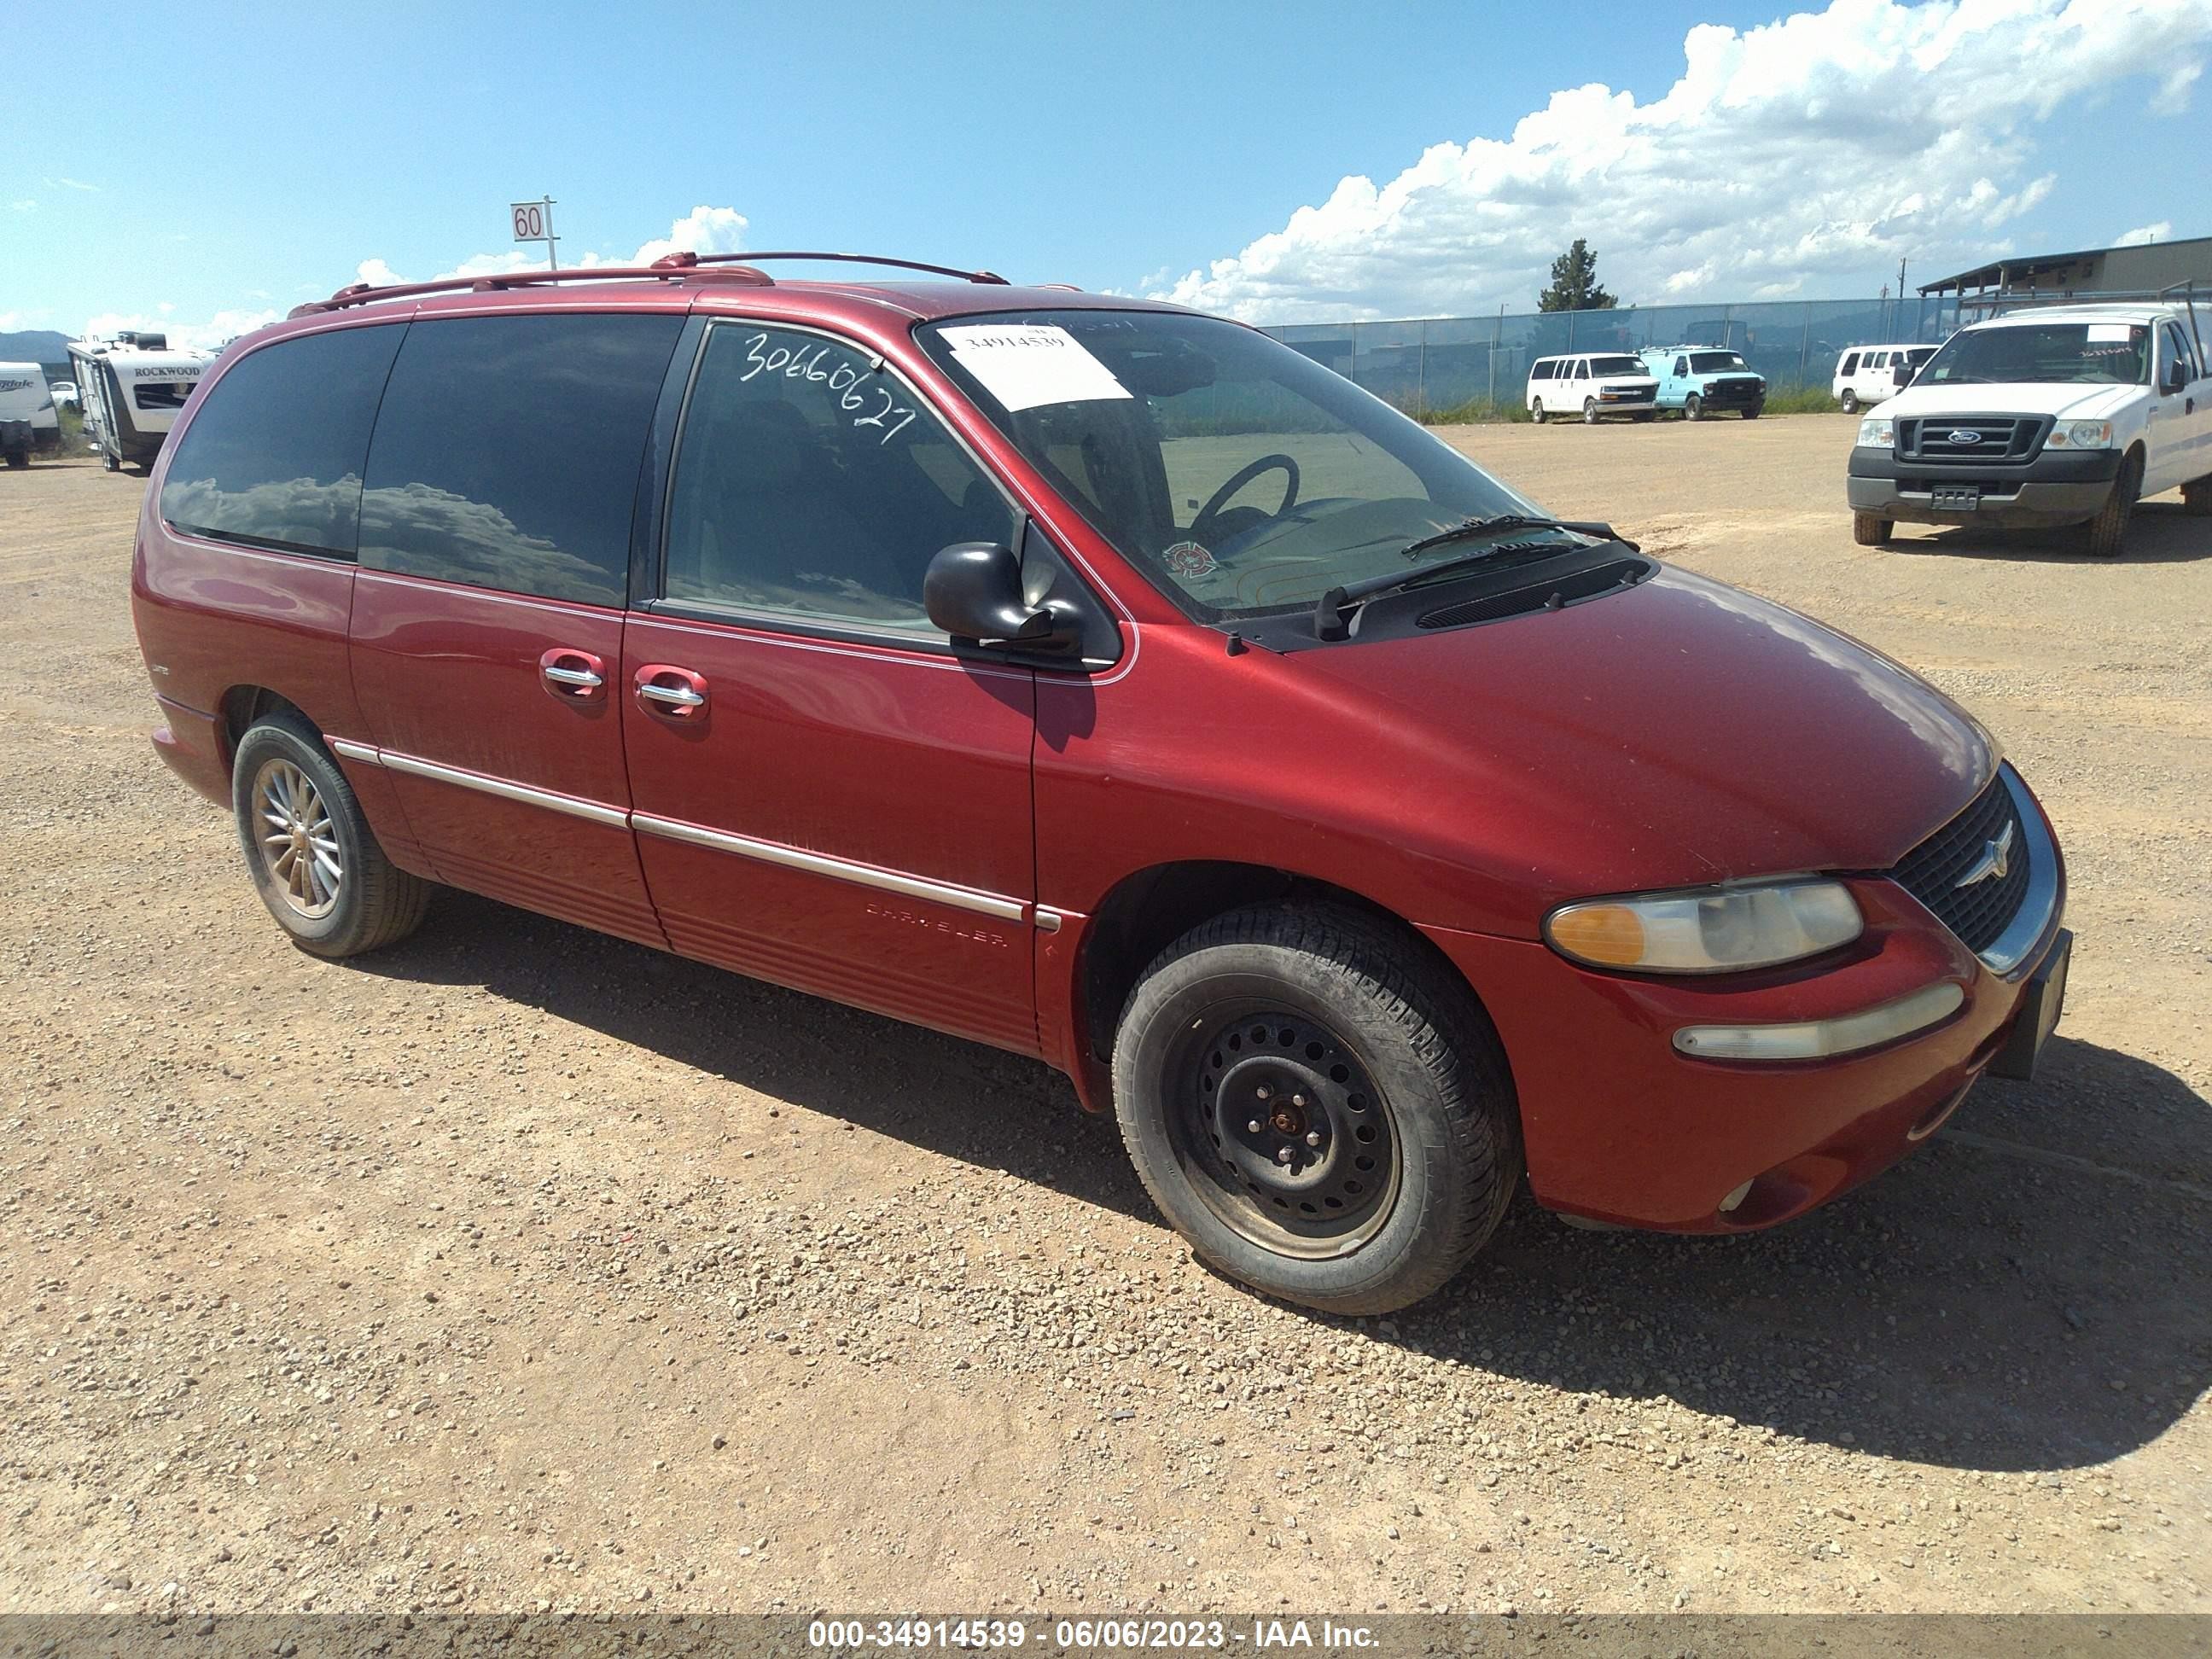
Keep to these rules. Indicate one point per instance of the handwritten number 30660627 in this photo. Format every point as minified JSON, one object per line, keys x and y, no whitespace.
{"x":869,"y":405}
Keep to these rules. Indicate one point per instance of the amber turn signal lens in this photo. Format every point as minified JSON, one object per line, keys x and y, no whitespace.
{"x":1606,"y":933}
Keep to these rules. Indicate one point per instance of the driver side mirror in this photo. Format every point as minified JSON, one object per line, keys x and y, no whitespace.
{"x":2177,"y":375}
{"x":973,"y":591}
{"x":1901,"y":375}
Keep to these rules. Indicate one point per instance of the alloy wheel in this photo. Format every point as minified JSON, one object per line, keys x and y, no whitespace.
{"x":298,"y":843}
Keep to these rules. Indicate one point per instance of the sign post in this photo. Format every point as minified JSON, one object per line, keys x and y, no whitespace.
{"x":533,"y":223}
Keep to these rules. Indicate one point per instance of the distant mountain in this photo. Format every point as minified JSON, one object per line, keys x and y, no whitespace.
{"x":34,"y":345}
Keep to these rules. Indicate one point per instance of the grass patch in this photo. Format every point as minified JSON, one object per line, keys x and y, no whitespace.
{"x":1802,"y":400}
{"x":1477,"y":411}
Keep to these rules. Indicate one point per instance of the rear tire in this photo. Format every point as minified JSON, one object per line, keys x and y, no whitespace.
{"x":1871,"y":529}
{"x":18,"y":459}
{"x":1537,"y":411}
{"x":1850,"y":401}
{"x":2196,"y":497}
{"x":309,"y":851}
{"x":2109,"y":529}
{"x":108,"y":463}
{"x":1693,"y":408}
{"x":1387,"y":1140}
{"x":1590,"y":412}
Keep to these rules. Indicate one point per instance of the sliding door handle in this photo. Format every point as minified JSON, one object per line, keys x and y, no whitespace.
{"x":572,"y":675}
{"x":672,"y":693}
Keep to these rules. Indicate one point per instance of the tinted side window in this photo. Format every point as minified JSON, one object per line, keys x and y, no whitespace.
{"x":1541,"y":371}
{"x":507,"y":453}
{"x":274,"y":456}
{"x":2177,"y":349}
{"x":811,"y":485}
{"x":1851,"y":364}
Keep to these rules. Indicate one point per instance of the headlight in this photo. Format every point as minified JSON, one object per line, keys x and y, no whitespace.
{"x":1876,"y":432}
{"x":1716,"y":931}
{"x":2082,"y":435}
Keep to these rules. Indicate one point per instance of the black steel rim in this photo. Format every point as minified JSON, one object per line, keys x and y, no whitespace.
{"x":1282,"y":1130}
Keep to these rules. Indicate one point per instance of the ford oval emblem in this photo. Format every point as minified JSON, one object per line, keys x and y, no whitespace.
{"x":1964,"y":436}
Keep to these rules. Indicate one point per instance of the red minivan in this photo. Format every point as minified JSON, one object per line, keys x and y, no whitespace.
{"x":1112,"y":684}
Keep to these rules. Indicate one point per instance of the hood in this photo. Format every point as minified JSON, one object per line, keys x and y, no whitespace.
{"x":2069,"y":400}
{"x":1676,"y":733}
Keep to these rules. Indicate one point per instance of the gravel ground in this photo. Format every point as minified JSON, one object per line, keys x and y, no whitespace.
{"x":517,"y":1268}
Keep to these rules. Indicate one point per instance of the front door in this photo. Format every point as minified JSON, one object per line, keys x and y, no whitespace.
{"x":825,"y":794}
{"x":488,"y":613}
{"x":2180,"y":436}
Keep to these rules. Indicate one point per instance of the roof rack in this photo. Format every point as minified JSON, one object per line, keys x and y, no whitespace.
{"x":687,"y":261}
{"x":670,"y":267}
{"x":361,"y":294}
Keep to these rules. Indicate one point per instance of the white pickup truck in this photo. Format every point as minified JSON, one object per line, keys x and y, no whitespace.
{"x":2062,"y":415}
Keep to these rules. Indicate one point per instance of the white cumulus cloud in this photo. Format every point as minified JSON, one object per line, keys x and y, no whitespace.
{"x":1805,"y":155}
{"x":204,"y":336}
{"x":2161,"y":231}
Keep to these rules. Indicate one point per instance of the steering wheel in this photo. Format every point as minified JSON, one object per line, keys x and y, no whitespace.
{"x":1201,"y":527}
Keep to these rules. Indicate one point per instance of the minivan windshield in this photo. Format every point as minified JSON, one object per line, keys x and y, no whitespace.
{"x":2112,"y":354}
{"x":1713,"y":362}
{"x":1617,"y":366}
{"x":1241,"y":477}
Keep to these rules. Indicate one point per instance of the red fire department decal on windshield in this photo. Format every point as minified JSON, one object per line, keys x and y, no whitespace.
{"x":1188,"y":559}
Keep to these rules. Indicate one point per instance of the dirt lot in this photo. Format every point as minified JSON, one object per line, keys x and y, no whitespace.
{"x":519,"y":1268}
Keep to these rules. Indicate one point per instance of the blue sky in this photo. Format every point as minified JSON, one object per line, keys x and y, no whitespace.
{"x":250,"y":159}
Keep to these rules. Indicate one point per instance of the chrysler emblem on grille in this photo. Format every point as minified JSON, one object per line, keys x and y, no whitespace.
{"x":1965,"y":435}
{"x":1995,"y":859}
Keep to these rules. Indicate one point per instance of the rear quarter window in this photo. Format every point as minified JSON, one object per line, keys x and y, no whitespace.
{"x":507,"y":449}
{"x":274,"y":455}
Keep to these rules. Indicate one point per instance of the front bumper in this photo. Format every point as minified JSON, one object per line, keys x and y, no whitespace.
{"x":2056,"y":486}
{"x":1619,"y":1126}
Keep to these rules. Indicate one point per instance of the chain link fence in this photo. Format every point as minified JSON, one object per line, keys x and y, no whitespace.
{"x":1445,"y":364}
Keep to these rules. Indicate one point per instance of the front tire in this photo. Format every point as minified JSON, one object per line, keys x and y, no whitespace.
{"x":1871,"y":529}
{"x":1693,"y":408}
{"x":108,"y":463}
{"x":310,"y":852}
{"x":19,"y":459}
{"x":1321,"y":1109}
{"x":2108,"y":531}
{"x":1590,"y":412}
{"x":1850,"y":401}
{"x":2196,"y":497}
{"x":1754,"y":411}
{"x":1537,"y":411}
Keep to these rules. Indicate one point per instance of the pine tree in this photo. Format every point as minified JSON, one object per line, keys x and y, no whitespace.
{"x":1574,"y":282}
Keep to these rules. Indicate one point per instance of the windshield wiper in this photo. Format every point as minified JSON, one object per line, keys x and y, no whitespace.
{"x":1467,"y":527}
{"x":1332,"y":611}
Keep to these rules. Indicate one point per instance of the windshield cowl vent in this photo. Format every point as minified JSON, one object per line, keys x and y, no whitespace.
{"x":1577,"y":588}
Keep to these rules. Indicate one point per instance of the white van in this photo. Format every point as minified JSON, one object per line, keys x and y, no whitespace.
{"x":2062,"y":415}
{"x":1868,"y":375}
{"x":1594,"y":385}
{"x":133,"y":388}
{"x":27,"y":420}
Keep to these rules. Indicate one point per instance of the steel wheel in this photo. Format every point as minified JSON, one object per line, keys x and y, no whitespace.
{"x":297,"y":842}
{"x":1282,"y":1131}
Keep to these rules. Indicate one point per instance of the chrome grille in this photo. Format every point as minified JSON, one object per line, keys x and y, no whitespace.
{"x":1931,"y":871}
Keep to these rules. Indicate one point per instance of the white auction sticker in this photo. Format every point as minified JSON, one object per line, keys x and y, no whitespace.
{"x":1025,"y":364}
{"x":2109,"y":331}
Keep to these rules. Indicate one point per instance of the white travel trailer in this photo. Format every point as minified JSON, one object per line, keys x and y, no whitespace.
{"x":27,"y":420}
{"x":133,"y":387}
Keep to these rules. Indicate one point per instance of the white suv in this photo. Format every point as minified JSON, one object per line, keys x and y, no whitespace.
{"x":2059,"y":416}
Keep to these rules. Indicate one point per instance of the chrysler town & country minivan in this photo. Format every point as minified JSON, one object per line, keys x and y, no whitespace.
{"x":1113,"y":684}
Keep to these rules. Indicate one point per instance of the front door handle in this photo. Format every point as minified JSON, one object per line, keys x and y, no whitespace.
{"x":672,"y":693}
{"x":572,"y":675}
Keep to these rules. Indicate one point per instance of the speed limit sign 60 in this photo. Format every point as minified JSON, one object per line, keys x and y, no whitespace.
{"x":529,"y":221}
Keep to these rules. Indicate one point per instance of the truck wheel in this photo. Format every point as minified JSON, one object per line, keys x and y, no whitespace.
{"x":108,"y":463}
{"x":1537,"y":411}
{"x":1590,"y":412}
{"x":2196,"y":497}
{"x":1693,"y":407}
{"x":312,"y":857}
{"x":19,"y":459}
{"x":2110,"y":527}
{"x":1324,"y":1112}
{"x":1754,"y":411}
{"x":1871,"y":529}
{"x":1850,"y":401}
